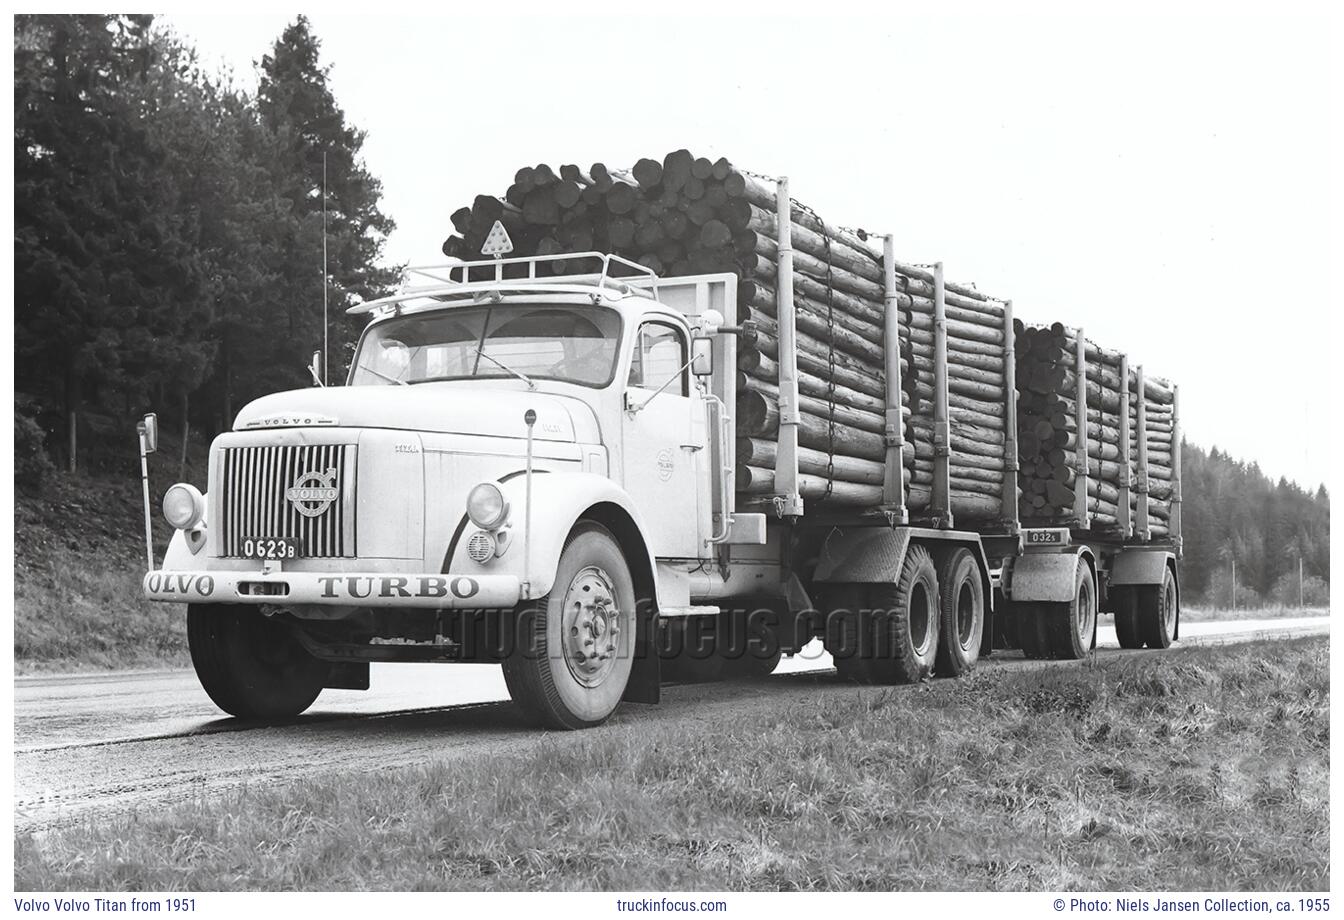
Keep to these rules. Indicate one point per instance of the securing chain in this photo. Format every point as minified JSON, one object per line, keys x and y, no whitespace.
{"x":756,"y":175}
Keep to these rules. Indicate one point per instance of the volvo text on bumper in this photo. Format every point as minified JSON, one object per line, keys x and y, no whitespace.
{"x":432,"y":591}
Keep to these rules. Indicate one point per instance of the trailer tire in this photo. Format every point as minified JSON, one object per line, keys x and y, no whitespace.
{"x":252,"y":666}
{"x":1033,"y":629}
{"x":544,"y":672}
{"x":1073,"y":625}
{"x":962,"y":613}
{"x":1125,"y":602}
{"x":1158,"y":609}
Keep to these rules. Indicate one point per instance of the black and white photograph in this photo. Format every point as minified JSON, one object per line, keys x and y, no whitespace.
{"x":668,"y":459}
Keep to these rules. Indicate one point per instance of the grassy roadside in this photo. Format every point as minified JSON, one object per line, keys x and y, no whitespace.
{"x":79,"y":555}
{"x":1202,"y":768}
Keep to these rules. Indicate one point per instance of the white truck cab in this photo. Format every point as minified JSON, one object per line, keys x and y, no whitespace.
{"x":522,"y":466}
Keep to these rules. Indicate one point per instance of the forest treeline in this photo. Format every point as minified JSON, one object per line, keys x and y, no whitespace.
{"x":1273,"y":531}
{"x":169,"y":230}
{"x":168,"y":246}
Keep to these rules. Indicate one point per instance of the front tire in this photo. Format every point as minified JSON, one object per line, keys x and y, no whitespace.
{"x":252,"y":666}
{"x":575,"y":646}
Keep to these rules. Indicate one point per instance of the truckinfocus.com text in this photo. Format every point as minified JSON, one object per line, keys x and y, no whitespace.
{"x":658,"y":905}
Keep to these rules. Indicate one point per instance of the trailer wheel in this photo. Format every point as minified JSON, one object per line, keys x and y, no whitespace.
{"x":1158,"y":607}
{"x":572,"y":660}
{"x":252,"y":666}
{"x":1032,"y":622}
{"x":1073,"y":626}
{"x":1126,"y":604}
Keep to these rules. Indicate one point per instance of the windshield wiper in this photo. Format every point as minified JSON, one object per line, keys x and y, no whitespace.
{"x":365,"y":367}
{"x":519,"y":374}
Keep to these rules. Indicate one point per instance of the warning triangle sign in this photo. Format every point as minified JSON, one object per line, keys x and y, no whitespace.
{"x":497,"y":242}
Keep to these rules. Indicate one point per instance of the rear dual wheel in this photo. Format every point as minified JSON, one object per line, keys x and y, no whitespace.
{"x":1147,"y":614}
{"x":930,"y":620}
{"x":1065,"y":630}
{"x":961,"y":611}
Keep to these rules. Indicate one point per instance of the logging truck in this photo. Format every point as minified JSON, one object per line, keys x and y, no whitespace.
{"x":539,"y":467}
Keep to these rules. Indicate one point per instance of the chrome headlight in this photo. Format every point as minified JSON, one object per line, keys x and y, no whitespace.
{"x":183,"y":506}
{"x":486,"y":506}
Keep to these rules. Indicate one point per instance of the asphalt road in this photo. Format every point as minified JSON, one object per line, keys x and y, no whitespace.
{"x":88,"y":745}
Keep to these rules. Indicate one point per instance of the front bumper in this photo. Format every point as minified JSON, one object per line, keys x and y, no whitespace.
{"x":429,"y":590}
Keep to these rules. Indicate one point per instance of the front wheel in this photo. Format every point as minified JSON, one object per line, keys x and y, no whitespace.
{"x":575,"y":649}
{"x":252,"y":666}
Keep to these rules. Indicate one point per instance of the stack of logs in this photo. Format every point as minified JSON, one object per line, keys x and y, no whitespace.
{"x":1048,"y":432}
{"x":1160,"y":418}
{"x":682,"y":215}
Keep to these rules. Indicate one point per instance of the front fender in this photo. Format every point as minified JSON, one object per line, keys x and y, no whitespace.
{"x":559,"y":500}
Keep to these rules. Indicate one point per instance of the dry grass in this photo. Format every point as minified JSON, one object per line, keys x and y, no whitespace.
{"x":1195,"y":769}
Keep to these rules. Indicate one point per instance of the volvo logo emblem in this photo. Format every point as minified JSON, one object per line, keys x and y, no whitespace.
{"x":290,"y":421}
{"x":313,"y":493}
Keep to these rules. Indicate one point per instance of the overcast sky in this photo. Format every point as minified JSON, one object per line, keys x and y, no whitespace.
{"x":1161,"y":181}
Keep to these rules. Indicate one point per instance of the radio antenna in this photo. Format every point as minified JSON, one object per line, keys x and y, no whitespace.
{"x":325,"y":326}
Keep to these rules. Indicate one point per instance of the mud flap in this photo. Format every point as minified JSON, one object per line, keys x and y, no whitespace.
{"x":645,"y":684}
{"x":1047,"y":577}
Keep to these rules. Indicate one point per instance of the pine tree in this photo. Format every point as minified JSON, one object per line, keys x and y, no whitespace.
{"x":298,"y":108}
{"x":81,"y":222}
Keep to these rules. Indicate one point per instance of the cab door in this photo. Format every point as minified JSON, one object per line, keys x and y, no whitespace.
{"x":663,"y":441}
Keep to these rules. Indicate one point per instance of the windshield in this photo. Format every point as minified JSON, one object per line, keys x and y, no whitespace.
{"x":543,"y":341}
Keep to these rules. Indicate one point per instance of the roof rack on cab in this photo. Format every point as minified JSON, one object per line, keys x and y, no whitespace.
{"x":443,"y":284}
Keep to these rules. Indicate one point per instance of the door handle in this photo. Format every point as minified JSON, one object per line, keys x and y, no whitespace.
{"x":692,"y":447}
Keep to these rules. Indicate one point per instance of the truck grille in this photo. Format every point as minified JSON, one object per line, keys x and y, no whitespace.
{"x":303,"y":492}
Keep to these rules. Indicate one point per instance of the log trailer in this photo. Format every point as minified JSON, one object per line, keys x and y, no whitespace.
{"x":539,"y":469}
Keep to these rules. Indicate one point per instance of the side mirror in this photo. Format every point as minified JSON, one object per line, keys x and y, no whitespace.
{"x":148,"y":429}
{"x":702,"y":356}
{"x":315,"y":368}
